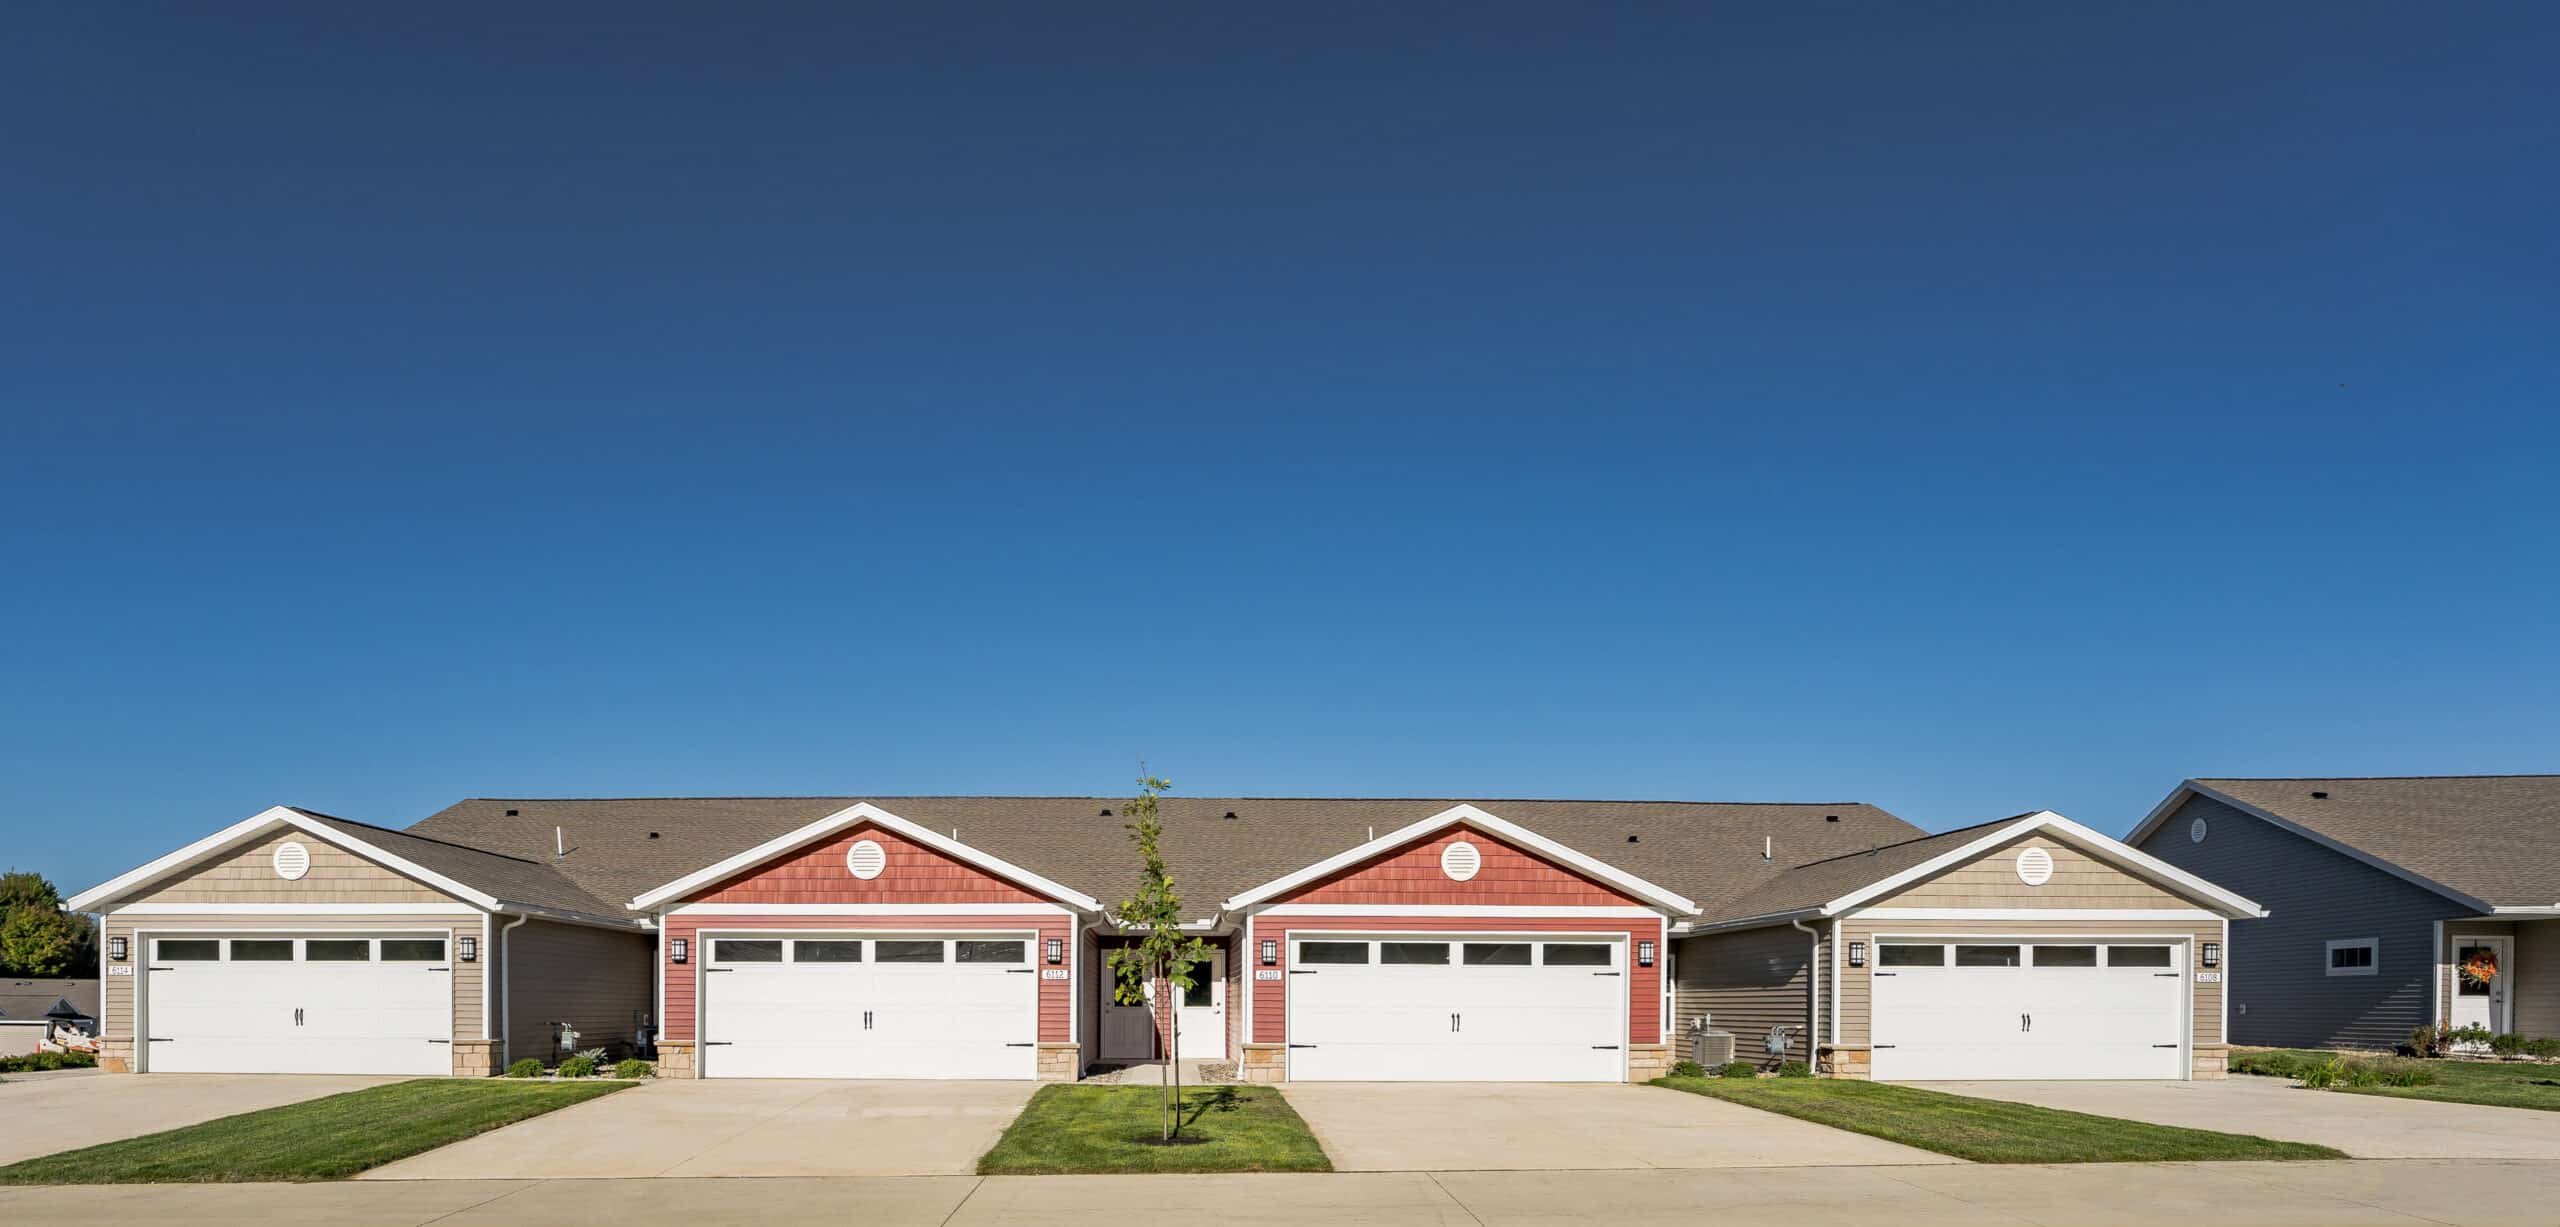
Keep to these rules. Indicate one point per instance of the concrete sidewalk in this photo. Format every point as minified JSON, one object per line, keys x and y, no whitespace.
{"x":2366,"y":1126}
{"x":2345,"y":1194}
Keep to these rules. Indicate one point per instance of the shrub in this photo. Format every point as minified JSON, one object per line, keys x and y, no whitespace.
{"x":637,"y":1068}
{"x":1795,"y":1069}
{"x":1688,"y":1069}
{"x":40,"y":1062}
{"x":2275,"y":1064}
{"x":2473,"y":1034}
{"x":580,"y":1066}
{"x":2545,"y":1047}
{"x":526,"y":1068}
{"x":1737,"y":1069}
{"x":2325,"y":1074}
{"x":2423,"y":1041}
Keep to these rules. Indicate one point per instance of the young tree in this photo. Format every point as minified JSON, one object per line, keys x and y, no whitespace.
{"x":37,"y":938}
{"x":1163,"y":957}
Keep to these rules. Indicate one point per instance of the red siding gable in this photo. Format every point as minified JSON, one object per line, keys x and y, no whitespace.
{"x":817,"y":874}
{"x":1510,"y":877}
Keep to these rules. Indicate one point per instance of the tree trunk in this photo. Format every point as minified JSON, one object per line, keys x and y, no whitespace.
{"x":1173,"y":1056}
{"x":1166,"y":1105}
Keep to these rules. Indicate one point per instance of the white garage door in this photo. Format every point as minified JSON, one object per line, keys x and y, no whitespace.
{"x":852,"y":1006}
{"x":350,"y":1003}
{"x":1456,"y":1009}
{"x":1954,"y":1010}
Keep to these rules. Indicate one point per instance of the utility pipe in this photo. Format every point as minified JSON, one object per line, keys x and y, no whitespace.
{"x":506,"y":993}
{"x":1813,"y":1001}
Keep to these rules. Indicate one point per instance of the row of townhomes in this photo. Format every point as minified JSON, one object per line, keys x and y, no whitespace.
{"x":1376,"y":939}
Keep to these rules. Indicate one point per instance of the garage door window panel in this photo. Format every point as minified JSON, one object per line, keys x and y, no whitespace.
{"x":735,"y":950}
{"x":907,"y":952}
{"x":1497,"y":954}
{"x":189,"y":951}
{"x":337,"y":951}
{"x":2139,"y":956}
{"x":1413,"y":954}
{"x":262,"y":951}
{"x":1987,"y":956}
{"x":2066,"y":956}
{"x":412,"y":950}
{"x":1577,"y":954}
{"x":1911,"y":956}
{"x":989,"y":952}
{"x":1333,"y":954}
{"x":826,"y":952}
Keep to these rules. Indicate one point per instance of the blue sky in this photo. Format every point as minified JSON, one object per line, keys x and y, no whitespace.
{"x":1966,"y":412}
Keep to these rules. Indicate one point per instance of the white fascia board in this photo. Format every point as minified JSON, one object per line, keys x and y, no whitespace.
{"x":2553,"y":910}
{"x":1748,"y":922}
{"x":868,"y":909}
{"x":2029,"y":913}
{"x":849,"y":816}
{"x":257,"y":824}
{"x":2089,"y":841}
{"x":1468,"y":910}
{"x":1491,"y":825}
{"x":2278,"y":821}
{"x":295,"y":909}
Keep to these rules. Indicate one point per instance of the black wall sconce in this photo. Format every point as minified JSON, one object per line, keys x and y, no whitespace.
{"x":677,"y":948}
{"x":116,"y":949}
{"x":2213,"y":954}
{"x":1057,"y":949}
{"x":1644,"y":954}
{"x":1270,"y":952}
{"x":467,"y":948}
{"x":1857,"y":954}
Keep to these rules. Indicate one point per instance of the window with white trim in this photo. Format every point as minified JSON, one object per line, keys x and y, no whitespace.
{"x":2355,"y":956}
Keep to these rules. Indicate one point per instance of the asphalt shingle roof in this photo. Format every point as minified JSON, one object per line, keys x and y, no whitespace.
{"x":619,"y":848}
{"x":513,"y":879}
{"x":2493,"y":837}
{"x":1818,"y":882}
{"x":28,"y":1000}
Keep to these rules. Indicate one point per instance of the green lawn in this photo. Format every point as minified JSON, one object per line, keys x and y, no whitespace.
{"x":320,"y":1139}
{"x":1093,"y":1129}
{"x":2495,"y":1084}
{"x":1985,"y":1130}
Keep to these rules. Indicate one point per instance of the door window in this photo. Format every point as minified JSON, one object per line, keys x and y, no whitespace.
{"x":1202,"y":993}
{"x":2467,"y":962}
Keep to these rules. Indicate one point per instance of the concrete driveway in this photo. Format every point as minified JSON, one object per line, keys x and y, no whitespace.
{"x":2365,"y":1126}
{"x":1516,"y":1126}
{"x":741,"y":1127}
{"x":47,"y":1115}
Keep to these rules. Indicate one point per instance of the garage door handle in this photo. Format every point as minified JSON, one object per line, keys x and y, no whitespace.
{"x":159,"y":969}
{"x":439,"y":1041}
{"x":1888,"y":973}
{"x":1295,"y":972}
{"x":1604,"y":973}
{"x":718,"y":1043}
{"x":709,"y":970}
{"x":1017,"y":971}
{"x":162,"y":1039}
{"x":1302,"y":1045}
{"x":2164,"y":975}
{"x":1884,"y":1045}
{"x":1034,"y":1045}
{"x":1604,"y":1048}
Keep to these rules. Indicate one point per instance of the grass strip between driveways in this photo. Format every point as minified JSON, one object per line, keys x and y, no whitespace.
{"x":2495,"y":1084}
{"x":1072,"y":1130}
{"x":1986,"y":1130}
{"x":319,"y":1139}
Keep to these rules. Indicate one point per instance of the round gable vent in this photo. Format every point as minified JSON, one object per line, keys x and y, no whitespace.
{"x":2195,"y":831}
{"x":292,"y":861}
{"x":1460,"y":861}
{"x":2035,"y":866}
{"x":865,"y":859}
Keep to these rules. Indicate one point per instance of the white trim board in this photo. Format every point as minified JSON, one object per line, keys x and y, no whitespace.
{"x":2029,"y":913}
{"x":1490,"y":824}
{"x":867,"y":909}
{"x":852,"y":815}
{"x":253,"y":826}
{"x":297,"y":909}
{"x":2064,"y":829}
{"x":1461,"y":911}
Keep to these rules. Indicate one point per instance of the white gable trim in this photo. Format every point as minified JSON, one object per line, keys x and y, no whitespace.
{"x":1488,"y":823}
{"x":847,"y":817}
{"x":2125,"y":857}
{"x":2179,"y":795}
{"x":252,"y":827}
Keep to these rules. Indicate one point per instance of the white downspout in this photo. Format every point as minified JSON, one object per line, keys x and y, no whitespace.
{"x":1813,"y":998}
{"x":506,"y":993}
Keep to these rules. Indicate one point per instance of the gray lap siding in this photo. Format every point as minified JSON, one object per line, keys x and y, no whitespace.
{"x":599,"y":981}
{"x":2281,"y":992}
{"x":1746,"y":982}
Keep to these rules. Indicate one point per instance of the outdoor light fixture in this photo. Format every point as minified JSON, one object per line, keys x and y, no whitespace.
{"x":1270,"y":951}
{"x":1644,"y":954}
{"x":2213,"y":954}
{"x":468,"y":948}
{"x":677,"y":948}
{"x":1857,"y":954}
{"x":1057,"y":949}
{"x":115,"y":948}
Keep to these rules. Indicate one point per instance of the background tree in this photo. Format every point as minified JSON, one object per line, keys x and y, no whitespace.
{"x":1163,"y":957}
{"x":37,"y":938}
